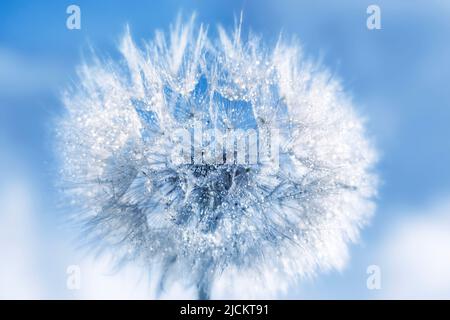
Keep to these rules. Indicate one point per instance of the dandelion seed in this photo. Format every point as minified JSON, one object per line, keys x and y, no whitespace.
{"x":271,"y":221}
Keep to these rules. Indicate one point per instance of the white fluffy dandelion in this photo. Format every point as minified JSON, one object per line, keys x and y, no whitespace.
{"x":202,"y":214}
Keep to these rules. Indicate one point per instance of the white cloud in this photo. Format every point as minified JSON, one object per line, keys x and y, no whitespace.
{"x":415,"y":255}
{"x":21,"y":74}
{"x":19,"y":277}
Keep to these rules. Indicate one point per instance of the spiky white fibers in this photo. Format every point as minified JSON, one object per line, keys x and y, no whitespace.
{"x":216,"y":227}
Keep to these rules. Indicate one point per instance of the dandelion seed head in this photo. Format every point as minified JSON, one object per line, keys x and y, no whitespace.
{"x":196,"y":215}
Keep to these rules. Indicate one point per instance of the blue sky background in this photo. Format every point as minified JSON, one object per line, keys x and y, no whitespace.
{"x":398,"y":76}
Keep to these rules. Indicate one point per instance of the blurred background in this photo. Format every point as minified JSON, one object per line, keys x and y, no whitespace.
{"x":398,"y":77}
